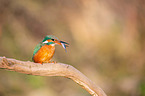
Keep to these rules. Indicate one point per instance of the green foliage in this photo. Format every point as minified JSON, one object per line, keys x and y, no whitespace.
{"x":142,"y":88}
{"x":35,"y":81}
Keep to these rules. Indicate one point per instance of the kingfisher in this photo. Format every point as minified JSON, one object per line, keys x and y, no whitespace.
{"x":44,"y":51}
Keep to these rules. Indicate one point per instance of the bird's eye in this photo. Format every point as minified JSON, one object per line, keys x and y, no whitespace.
{"x":52,"y":39}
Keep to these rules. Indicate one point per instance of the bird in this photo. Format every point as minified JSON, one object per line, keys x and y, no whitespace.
{"x":44,"y":51}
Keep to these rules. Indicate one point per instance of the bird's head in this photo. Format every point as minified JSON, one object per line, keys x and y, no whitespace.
{"x":52,"y":40}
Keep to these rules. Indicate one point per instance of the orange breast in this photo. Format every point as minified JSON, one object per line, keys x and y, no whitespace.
{"x":44,"y":54}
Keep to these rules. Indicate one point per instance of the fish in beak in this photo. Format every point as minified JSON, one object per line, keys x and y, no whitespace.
{"x":62,"y":43}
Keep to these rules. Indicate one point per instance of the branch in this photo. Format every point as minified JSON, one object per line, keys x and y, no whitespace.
{"x":58,"y":69}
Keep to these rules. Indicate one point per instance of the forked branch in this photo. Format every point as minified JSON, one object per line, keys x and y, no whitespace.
{"x":58,"y":69}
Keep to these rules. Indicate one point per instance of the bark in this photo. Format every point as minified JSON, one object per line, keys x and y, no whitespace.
{"x":51,"y":69}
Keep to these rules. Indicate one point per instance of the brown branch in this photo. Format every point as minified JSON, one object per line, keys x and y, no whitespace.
{"x":58,"y":69}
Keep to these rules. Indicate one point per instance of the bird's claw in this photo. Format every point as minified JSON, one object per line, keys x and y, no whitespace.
{"x":50,"y":62}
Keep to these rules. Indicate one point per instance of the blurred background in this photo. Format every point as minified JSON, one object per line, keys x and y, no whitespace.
{"x":107,"y":44}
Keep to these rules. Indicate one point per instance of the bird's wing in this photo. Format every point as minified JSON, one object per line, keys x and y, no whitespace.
{"x":38,"y":46}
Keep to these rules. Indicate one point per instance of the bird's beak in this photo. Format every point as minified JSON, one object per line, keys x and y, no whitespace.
{"x":64,"y":44}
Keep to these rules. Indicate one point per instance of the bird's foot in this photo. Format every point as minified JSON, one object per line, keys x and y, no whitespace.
{"x":53,"y":62}
{"x":50,"y":62}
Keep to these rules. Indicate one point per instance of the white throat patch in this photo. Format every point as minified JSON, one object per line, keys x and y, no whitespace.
{"x":52,"y":44}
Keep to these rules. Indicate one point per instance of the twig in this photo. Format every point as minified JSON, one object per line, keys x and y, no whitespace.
{"x":58,"y":69}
